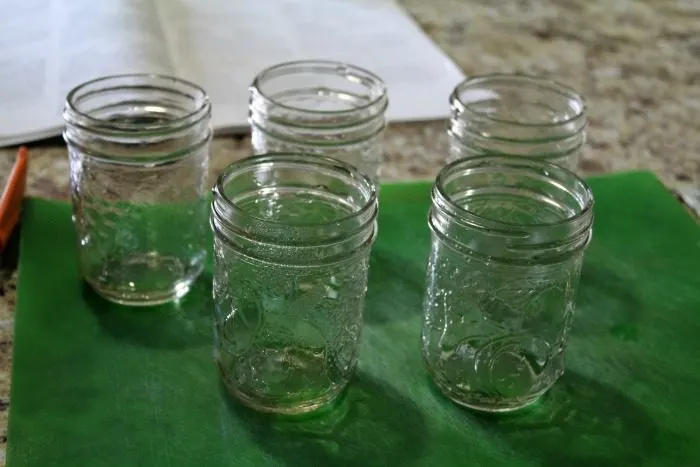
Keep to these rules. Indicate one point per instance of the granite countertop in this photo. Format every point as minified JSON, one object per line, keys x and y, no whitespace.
{"x":636,"y":63}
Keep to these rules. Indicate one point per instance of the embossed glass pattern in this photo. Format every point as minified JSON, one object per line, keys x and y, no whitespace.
{"x":320,"y":107}
{"x":139,"y":153}
{"x":509,"y":235}
{"x":292,"y":240}
{"x":517,"y":115}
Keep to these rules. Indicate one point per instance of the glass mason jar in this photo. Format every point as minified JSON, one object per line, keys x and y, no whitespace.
{"x":517,"y":115}
{"x":320,"y":107}
{"x":139,"y":154}
{"x":293,"y":234}
{"x":508,"y":237}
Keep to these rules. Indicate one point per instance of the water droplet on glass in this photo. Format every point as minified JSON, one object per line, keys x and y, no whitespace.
{"x":331,"y":291}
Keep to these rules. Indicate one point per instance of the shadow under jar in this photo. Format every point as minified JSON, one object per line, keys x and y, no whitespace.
{"x":320,"y":107}
{"x":139,"y":154}
{"x":292,"y":240}
{"x":508,"y":237}
{"x":517,"y":115}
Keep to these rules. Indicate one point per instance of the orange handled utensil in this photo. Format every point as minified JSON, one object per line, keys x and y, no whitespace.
{"x":11,"y":200}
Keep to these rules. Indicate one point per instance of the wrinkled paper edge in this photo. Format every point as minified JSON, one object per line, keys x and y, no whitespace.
{"x":690,"y":196}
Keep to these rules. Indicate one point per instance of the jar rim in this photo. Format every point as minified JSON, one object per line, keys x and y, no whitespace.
{"x":299,"y":159}
{"x":149,"y":80}
{"x":519,"y":80}
{"x":352,"y":73}
{"x":554,"y":174}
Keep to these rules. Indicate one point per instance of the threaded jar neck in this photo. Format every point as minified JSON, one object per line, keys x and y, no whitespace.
{"x":512,"y":209}
{"x":517,"y":114}
{"x":294,"y":208}
{"x":319,"y":102}
{"x":137,"y":118}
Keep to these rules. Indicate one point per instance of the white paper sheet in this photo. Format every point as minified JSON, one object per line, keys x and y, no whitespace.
{"x":220,"y":44}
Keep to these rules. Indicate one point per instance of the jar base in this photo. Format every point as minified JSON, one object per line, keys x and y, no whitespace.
{"x":144,"y":298}
{"x":144,"y":279}
{"x":291,"y":409}
{"x":490,"y":404}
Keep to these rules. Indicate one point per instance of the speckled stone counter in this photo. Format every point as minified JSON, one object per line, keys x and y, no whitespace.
{"x":637,"y":63}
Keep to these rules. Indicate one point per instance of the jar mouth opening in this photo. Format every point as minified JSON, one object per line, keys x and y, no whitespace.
{"x":79,"y":113}
{"x":305,"y":162}
{"x":350,"y":73}
{"x":469,"y":95}
{"x":558,"y":177}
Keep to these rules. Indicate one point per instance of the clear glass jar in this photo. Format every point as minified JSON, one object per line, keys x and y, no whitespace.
{"x":139,"y":155}
{"x":508,"y":237}
{"x":292,"y":240}
{"x":320,"y":107}
{"x":517,"y":115}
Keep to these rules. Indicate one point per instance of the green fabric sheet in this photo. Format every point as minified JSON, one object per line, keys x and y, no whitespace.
{"x":96,"y":385}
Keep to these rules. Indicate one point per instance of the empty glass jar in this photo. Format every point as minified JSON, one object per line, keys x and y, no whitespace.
{"x":320,"y":107}
{"x":292,"y":239}
{"x":139,"y":154}
{"x":508,"y":237}
{"x":517,"y":115}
